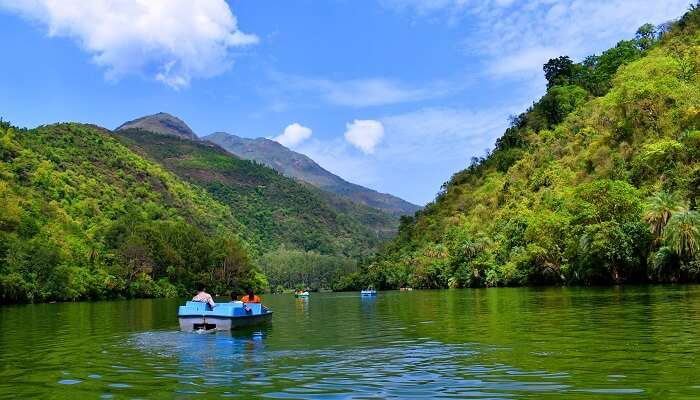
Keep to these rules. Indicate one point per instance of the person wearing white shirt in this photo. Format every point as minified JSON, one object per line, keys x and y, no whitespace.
{"x":203,"y":296}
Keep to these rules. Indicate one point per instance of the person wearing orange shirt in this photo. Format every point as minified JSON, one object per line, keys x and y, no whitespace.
{"x":251,"y":297}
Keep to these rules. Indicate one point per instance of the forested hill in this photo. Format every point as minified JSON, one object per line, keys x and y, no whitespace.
{"x":83,"y":217}
{"x":299,"y":166}
{"x":596,"y":183}
{"x":275,"y":210}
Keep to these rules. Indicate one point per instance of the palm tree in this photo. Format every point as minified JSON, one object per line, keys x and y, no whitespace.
{"x":659,"y":210}
{"x":682,"y":234}
{"x":664,"y":263}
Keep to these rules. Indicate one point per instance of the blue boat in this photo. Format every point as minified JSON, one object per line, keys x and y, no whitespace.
{"x":195,"y":315}
{"x":368,"y":292}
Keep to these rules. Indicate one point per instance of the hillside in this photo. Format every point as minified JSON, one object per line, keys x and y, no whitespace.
{"x":83,"y":217}
{"x":275,"y":210}
{"x":597,"y":183}
{"x":301,"y":167}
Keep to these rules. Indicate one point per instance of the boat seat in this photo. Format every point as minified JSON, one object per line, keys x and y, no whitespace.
{"x":198,"y":306}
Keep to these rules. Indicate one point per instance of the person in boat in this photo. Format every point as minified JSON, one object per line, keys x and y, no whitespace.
{"x":204,"y":297}
{"x":251,"y":297}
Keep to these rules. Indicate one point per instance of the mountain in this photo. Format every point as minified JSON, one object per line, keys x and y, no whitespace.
{"x":162,"y":123}
{"x":299,"y":166}
{"x":83,"y":217}
{"x":275,"y":210}
{"x":596,"y":183}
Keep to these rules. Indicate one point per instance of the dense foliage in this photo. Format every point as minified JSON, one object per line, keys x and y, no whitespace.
{"x":295,"y":269}
{"x":83,"y":217}
{"x":275,"y":210}
{"x":596,"y":183}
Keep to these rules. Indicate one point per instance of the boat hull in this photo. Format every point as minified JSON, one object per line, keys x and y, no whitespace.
{"x":221,"y":323}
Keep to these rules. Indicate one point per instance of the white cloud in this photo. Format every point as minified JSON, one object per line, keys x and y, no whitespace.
{"x":364,"y":134}
{"x":172,"y":40}
{"x":364,"y":92}
{"x":445,"y":134}
{"x":419,"y":149}
{"x":423,"y":7}
{"x":337,"y":156}
{"x":517,"y":37}
{"x":293,"y":135}
{"x":370,"y":92}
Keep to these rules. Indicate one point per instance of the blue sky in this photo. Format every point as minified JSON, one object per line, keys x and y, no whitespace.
{"x":396,"y":95}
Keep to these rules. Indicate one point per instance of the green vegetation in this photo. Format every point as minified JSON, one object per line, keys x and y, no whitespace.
{"x":301,"y":167}
{"x":83,"y":217}
{"x":275,"y":210}
{"x":597,"y":183}
{"x":295,"y":269}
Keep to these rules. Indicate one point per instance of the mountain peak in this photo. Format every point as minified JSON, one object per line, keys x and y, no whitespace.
{"x":162,"y":123}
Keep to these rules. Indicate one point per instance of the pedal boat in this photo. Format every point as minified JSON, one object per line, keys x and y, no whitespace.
{"x":368,"y":292}
{"x":301,"y":294}
{"x":195,"y":315}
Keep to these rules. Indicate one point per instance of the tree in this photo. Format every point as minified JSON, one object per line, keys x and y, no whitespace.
{"x":233,"y":268}
{"x":559,"y":102}
{"x":606,"y":200}
{"x":646,"y":36}
{"x":659,"y":209}
{"x":558,"y":71}
{"x":682,"y":234}
{"x":612,"y":250}
{"x":609,"y":240}
{"x":663,"y":264}
{"x":595,"y":72}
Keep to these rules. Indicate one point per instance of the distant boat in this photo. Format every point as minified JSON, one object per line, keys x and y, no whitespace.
{"x":406,"y":289}
{"x":301,"y":294}
{"x":368,"y":292}
{"x":195,"y":315}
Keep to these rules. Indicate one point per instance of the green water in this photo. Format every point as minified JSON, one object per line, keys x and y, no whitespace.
{"x":608,"y":343}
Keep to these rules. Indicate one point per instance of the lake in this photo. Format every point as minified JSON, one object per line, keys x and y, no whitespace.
{"x":588,"y":343}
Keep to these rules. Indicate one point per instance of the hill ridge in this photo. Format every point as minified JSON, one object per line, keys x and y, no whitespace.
{"x":276,"y":210}
{"x":304,"y":168}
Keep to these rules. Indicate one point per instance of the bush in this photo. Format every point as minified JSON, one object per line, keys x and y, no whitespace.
{"x":14,"y":289}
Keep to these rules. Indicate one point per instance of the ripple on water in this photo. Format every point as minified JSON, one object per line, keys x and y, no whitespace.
{"x":407,"y":368}
{"x":119,"y":385}
{"x":69,"y":381}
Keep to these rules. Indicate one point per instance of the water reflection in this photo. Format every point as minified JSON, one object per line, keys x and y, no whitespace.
{"x":205,"y":349}
{"x":403,"y":368}
{"x":301,"y":305}
{"x":208,"y":359}
{"x":612,"y":343}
